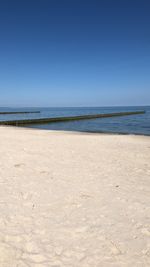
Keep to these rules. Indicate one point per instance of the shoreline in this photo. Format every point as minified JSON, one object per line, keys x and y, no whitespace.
{"x":80,"y":132}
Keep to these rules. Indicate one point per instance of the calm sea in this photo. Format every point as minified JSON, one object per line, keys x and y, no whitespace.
{"x":136,"y":124}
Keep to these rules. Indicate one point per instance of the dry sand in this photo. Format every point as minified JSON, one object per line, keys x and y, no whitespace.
{"x":76,"y":200}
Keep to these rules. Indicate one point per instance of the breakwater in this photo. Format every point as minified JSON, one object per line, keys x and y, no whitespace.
{"x":68,"y":118}
{"x":17,"y":112}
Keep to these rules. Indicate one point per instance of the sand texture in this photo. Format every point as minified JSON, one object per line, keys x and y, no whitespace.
{"x":74,"y":200}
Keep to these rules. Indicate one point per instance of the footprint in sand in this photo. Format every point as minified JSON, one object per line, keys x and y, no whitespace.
{"x":85,"y":196}
{"x":19,"y":165}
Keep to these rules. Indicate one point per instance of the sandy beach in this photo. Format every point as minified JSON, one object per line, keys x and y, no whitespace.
{"x":74,"y":199}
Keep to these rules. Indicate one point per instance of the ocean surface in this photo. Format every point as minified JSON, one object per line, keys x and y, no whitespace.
{"x":135,"y":124}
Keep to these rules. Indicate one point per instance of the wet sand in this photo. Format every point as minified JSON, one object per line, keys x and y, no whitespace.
{"x":74,"y":199}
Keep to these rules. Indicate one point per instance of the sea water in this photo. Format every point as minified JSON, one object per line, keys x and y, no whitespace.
{"x":134,"y":124}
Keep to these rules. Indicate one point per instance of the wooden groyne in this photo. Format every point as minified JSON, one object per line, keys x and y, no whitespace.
{"x":17,"y":112}
{"x":65,"y":119}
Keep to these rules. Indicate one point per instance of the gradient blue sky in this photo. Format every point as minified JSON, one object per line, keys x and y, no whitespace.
{"x":74,"y":53}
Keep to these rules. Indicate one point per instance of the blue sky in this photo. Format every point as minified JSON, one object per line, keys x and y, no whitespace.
{"x":74,"y":53}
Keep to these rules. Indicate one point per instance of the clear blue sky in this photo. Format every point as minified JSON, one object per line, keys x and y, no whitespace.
{"x":74,"y":52}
